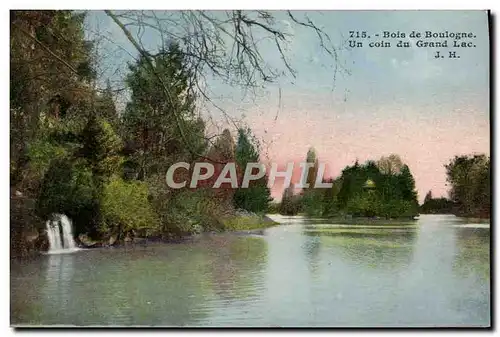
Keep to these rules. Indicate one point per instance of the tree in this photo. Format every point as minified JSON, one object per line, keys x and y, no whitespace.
{"x":407,"y":188}
{"x":428,"y":197}
{"x":256,"y":197}
{"x":437,"y":206}
{"x":221,"y":153}
{"x":50,"y":62}
{"x":150,"y":120}
{"x":69,"y":141}
{"x":330,"y":198}
{"x":312,"y":199}
{"x":223,"y":149}
{"x":469,"y":177}
{"x":390,"y":165}
{"x":391,"y":194}
{"x":101,"y":148}
{"x":311,"y":157}
{"x":105,"y":105}
{"x":290,"y":203}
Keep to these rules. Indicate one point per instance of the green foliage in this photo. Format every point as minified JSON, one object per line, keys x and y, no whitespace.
{"x":364,"y":205}
{"x":40,"y":86}
{"x":391,"y":192}
{"x":161,"y":131}
{"x":291,"y":204}
{"x":240,"y":223}
{"x":184,"y":211}
{"x":364,"y":191}
{"x":125,"y":207}
{"x":247,"y":148}
{"x":469,"y":177}
{"x":73,"y":159}
{"x":192,"y":211}
{"x":256,"y":197}
{"x":397,"y":208}
{"x":41,"y":153}
{"x":273,"y":208}
{"x":253,"y":199}
{"x":321,"y":202}
{"x":437,"y":205}
{"x":312,"y":199}
{"x":330,"y":205}
{"x":54,"y":141}
{"x":105,"y":105}
{"x":68,"y":188}
{"x":312,"y":202}
{"x":311,"y":157}
{"x":101,"y":148}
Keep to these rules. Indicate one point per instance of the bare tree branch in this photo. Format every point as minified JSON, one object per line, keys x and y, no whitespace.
{"x":164,"y":87}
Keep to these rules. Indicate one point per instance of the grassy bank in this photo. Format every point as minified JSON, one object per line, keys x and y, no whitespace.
{"x":247,"y":222}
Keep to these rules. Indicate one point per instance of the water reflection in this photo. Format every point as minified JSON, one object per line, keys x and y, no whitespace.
{"x":312,"y":249}
{"x":472,"y":255}
{"x":59,"y":275}
{"x":298,"y":274}
{"x":371,"y":247}
{"x":236,"y":265}
{"x":167,"y":285}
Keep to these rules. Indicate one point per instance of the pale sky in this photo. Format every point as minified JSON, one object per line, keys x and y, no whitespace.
{"x":395,"y":100}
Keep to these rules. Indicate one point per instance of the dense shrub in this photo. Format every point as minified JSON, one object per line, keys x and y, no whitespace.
{"x":185,"y":211}
{"x":273,"y":208}
{"x":125,"y":207}
{"x":365,"y":204}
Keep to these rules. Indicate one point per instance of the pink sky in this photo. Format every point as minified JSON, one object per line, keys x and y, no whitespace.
{"x":424,"y":141}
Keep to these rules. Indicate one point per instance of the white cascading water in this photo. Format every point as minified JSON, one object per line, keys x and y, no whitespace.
{"x":60,"y":233}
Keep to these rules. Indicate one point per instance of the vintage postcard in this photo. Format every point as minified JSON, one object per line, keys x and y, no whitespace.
{"x":250,"y":168}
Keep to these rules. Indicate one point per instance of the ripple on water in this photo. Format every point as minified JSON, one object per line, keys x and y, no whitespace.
{"x":474,"y":225}
{"x":431,"y":274}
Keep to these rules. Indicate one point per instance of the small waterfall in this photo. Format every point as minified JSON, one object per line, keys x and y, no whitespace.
{"x":60,"y":233}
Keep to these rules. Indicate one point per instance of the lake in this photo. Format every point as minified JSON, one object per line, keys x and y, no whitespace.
{"x":302,"y":273}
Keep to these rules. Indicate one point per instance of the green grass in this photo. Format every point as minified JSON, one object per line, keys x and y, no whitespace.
{"x":241,"y":223}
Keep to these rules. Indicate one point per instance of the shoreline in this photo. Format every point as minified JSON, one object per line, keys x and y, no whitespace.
{"x":262,"y":221}
{"x":353,"y":221}
{"x":251,"y":224}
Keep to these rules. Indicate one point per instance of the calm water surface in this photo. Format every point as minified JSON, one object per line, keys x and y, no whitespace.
{"x":302,"y":273}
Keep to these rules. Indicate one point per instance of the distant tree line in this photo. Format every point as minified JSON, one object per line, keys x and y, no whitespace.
{"x":437,"y":205}
{"x":385,"y":188}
